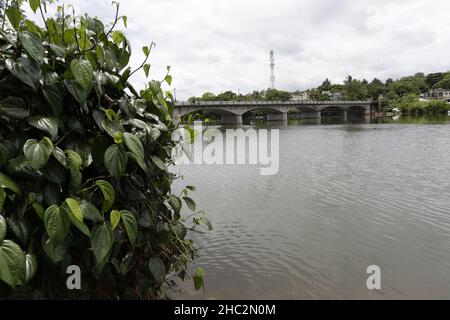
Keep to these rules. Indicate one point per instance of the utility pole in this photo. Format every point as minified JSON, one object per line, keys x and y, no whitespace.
{"x":272,"y":72}
{"x":175,"y":94}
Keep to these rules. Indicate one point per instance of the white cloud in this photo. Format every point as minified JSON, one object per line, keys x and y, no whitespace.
{"x":224,"y":44}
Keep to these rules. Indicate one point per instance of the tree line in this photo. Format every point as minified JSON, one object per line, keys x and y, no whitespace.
{"x":402,"y":93}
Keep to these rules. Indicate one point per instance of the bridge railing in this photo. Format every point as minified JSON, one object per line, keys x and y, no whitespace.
{"x":246,"y":103}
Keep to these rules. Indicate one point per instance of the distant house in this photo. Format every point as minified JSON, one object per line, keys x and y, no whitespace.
{"x":438,"y":94}
{"x":334,"y":96}
{"x":300,"y":96}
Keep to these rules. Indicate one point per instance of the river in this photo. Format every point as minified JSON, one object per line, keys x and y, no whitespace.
{"x":346,"y":196}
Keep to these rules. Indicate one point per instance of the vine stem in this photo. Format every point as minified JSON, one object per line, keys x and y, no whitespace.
{"x":45,"y":22}
{"x":105,"y":36}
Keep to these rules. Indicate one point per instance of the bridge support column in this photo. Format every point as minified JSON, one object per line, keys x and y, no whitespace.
{"x":231,"y":119}
{"x":367,"y":115}
{"x":277,"y":117}
{"x":318,"y":117}
{"x":345,"y":115}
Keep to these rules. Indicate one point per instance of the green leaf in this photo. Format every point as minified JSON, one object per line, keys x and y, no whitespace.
{"x":102,"y":240}
{"x":206,"y":221}
{"x":190,"y":203}
{"x":25,"y":70}
{"x":154,"y":134}
{"x":56,"y":223}
{"x":60,"y":156}
{"x":32,"y":27}
{"x":146,"y":69}
{"x":12,"y":263}
{"x":108,"y":194}
{"x":158,"y":162}
{"x":125,"y":19}
{"x":115,"y":218}
{"x":168,"y":79}
{"x":54,"y":97}
{"x":30,"y":267}
{"x":127,"y":263}
{"x":75,"y":209}
{"x":18,"y":229}
{"x":175,"y":203}
{"x":2,"y":199}
{"x":90,"y":212}
{"x":37,"y":153}
{"x":146,"y":51}
{"x":118,"y":137}
{"x":3,"y":228}
{"x":157,"y":269}
{"x":32,"y":45}
{"x":180,"y":230}
{"x":7,"y":182}
{"x":198,"y":278}
{"x":14,"y":16}
{"x":46,"y":124}
{"x":115,"y":160}
{"x":100,"y":54}
{"x":34,"y":4}
{"x":14,"y":108}
{"x":83,"y":73}
{"x":135,"y":146}
{"x":76,"y":216}
{"x":129,"y":220}
{"x":55,"y":251}
{"x":112,"y":127}
{"x":75,"y":160}
{"x":118,"y":37}
{"x":39,"y":210}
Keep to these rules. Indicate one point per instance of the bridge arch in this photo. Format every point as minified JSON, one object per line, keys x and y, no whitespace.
{"x":332,"y":112}
{"x":216,"y":110}
{"x":356,"y":112}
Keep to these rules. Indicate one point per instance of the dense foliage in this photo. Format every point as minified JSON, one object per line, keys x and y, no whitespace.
{"x":265,"y":95}
{"x":84,"y":159}
{"x":411,"y":104}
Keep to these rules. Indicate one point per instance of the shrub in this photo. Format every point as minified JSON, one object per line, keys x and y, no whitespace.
{"x":84,"y":158}
{"x":436,"y":107}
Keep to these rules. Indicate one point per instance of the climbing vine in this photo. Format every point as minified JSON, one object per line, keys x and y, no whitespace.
{"x":84,"y":163}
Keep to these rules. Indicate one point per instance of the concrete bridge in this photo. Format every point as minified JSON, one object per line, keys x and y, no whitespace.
{"x":232,"y":112}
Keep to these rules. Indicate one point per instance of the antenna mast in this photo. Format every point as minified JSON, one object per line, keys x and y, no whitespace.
{"x":272,"y":73}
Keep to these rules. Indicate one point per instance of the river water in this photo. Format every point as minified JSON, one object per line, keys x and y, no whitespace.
{"x":346,"y":196}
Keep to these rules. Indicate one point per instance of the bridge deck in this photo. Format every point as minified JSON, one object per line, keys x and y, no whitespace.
{"x":269,"y":103}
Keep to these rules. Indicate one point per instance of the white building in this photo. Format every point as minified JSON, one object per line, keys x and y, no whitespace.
{"x":439,"y":94}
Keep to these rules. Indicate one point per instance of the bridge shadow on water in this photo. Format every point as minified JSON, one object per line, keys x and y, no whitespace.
{"x":262,"y":123}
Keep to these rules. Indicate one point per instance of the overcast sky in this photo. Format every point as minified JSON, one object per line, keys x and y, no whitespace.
{"x":218,"y":45}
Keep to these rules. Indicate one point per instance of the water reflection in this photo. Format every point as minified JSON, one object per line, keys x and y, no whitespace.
{"x":347,"y":196}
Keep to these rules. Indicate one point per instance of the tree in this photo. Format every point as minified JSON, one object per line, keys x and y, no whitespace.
{"x":277,"y":95}
{"x":208,"y":96}
{"x":444,"y":83}
{"x":318,"y":95}
{"x":433,"y":78}
{"x":354,"y":89}
{"x":226,"y":96}
{"x":84,"y":158}
{"x":375,"y":88}
{"x":325,"y":86}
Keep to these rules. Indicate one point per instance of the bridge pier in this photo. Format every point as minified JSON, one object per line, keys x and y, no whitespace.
{"x":277,"y":116}
{"x":367,"y":115}
{"x":345,"y":115}
{"x":231,"y":119}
